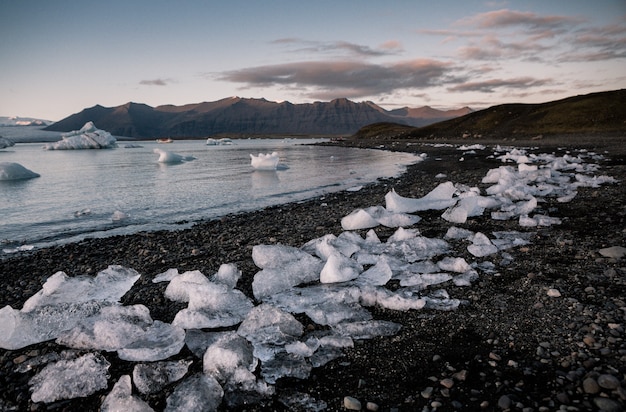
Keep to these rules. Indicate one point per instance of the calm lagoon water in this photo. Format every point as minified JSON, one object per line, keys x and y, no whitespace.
{"x":96,"y":193}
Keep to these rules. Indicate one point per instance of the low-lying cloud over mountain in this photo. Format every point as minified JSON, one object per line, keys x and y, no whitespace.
{"x":237,"y":115}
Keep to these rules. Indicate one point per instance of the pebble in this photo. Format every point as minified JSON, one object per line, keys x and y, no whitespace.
{"x":554,"y":293}
{"x":447,"y":383}
{"x":504,"y":402}
{"x":607,"y":405}
{"x":351,"y":403}
{"x":371,"y":406}
{"x":590,"y":386}
{"x":607,"y":381}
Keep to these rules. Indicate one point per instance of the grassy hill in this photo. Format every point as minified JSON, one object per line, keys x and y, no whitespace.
{"x":591,"y":114}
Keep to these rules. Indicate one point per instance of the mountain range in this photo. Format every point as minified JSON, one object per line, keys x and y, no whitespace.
{"x":602,"y":113}
{"x":244,"y":116}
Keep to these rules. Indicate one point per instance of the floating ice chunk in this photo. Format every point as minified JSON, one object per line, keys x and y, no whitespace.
{"x":481,"y":246}
{"x":15,"y":171}
{"x":367,"y":329}
{"x":339,"y":268}
{"x":198,"y":392}
{"x":121,"y":398}
{"x":155,"y":376}
{"x":4,"y":142}
{"x":438,"y":199}
{"x":230,"y":360}
{"x":265,"y":161}
{"x":68,"y":379}
{"x":109,"y":285}
{"x":118,"y":215}
{"x":88,"y":137}
{"x":170,"y":157}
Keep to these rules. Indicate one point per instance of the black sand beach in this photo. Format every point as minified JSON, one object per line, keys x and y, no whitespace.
{"x":511,"y":346}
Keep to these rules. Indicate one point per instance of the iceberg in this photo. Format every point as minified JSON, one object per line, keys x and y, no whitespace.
{"x":265,"y":161}
{"x":88,"y":137}
{"x":15,"y":171}
{"x":4,"y":142}
{"x":171,"y":157}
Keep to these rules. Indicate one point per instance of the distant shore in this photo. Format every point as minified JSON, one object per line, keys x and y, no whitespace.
{"x":511,"y":344}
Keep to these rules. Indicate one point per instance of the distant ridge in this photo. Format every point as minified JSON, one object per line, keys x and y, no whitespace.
{"x":242,"y":116}
{"x":590,"y":114}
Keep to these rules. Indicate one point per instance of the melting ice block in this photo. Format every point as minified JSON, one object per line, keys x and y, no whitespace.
{"x":88,"y":137}
{"x":441,"y":197}
{"x":15,"y":171}
{"x":171,"y":157}
{"x":339,"y":268}
{"x":155,"y":376}
{"x":121,"y":398}
{"x":265,"y":161}
{"x":230,"y":360}
{"x":67,"y":379}
{"x":198,"y":392}
{"x":377,"y":215}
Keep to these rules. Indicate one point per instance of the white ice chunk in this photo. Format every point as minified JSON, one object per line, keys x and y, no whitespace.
{"x":283,"y":268}
{"x":265,"y":161}
{"x":358,"y":219}
{"x":180,"y":286}
{"x":437,"y":199}
{"x":228,"y":274}
{"x":458,"y":233}
{"x":213,"y":305}
{"x":377,"y":275}
{"x":155,"y":376}
{"x":423,"y":280}
{"x":231,"y":361}
{"x":166,"y":276}
{"x":88,"y":137}
{"x":466,"y":278}
{"x":454,"y":264}
{"x":339,"y":268}
{"x":121,"y":398}
{"x":481,"y":246}
{"x":170,"y":157}
{"x":68,"y":379}
{"x":198,"y":392}
{"x":401,"y":300}
{"x":15,"y":171}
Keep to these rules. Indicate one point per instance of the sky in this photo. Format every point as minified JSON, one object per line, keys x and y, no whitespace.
{"x":59,"y":57}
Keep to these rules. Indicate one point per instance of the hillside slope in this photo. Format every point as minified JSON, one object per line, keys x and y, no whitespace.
{"x":596,"y":113}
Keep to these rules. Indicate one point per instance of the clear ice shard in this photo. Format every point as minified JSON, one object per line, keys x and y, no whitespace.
{"x":198,"y":392}
{"x":121,"y":398}
{"x":155,"y":376}
{"x":67,"y":379}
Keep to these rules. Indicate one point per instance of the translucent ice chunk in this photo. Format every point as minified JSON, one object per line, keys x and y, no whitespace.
{"x":68,"y":379}
{"x":230,"y":360}
{"x":481,"y":246}
{"x":367,"y":329}
{"x":438,"y":199}
{"x":339,"y":268}
{"x":109,"y":285}
{"x":155,"y":376}
{"x":159,"y":341}
{"x":121,"y":398}
{"x":196,"y":393}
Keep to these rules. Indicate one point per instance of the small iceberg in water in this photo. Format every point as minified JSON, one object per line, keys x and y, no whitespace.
{"x":4,"y":142}
{"x":15,"y":171}
{"x":88,"y":137}
{"x":265,"y":161}
{"x":170,"y":157}
{"x":218,"y":142}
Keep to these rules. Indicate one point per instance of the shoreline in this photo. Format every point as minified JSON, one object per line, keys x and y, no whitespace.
{"x":486,"y":347}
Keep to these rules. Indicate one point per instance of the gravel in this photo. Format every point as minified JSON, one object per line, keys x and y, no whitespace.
{"x":546,"y":334}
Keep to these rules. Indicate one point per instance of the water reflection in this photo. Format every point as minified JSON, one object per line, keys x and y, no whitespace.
{"x":264,"y":179}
